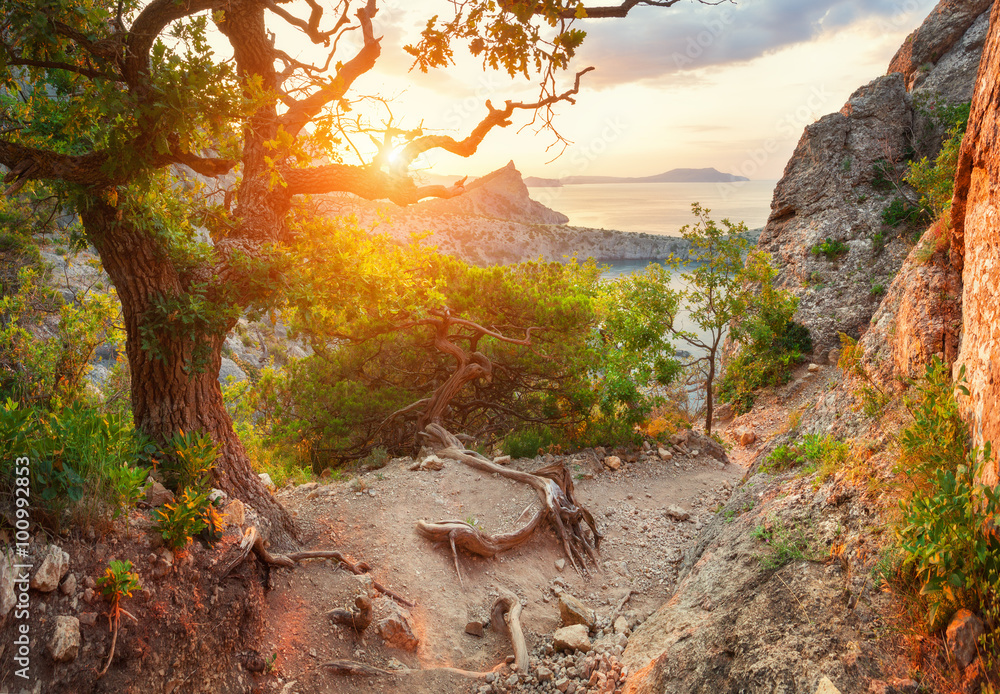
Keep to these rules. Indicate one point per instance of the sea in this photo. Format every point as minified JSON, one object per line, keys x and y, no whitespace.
{"x":656,"y":208}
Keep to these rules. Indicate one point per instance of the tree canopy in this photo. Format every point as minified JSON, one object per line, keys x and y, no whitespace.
{"x":189,"y":170}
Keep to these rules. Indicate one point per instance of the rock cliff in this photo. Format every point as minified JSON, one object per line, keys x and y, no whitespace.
{"x":975,"y":248}
{"x":847,"y":169}
{"x":496,"y":221}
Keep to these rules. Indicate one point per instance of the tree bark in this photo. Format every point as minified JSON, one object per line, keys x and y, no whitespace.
{"x":167,"y":394}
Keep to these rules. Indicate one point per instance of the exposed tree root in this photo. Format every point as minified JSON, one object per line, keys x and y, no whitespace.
{"x":554,"y":485}
{"x":506,"y":605}
{"x":252,"y":540}
{"x":358,"y":618}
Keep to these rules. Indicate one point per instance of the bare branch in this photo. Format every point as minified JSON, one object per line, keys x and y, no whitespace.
{"x":496,"y":117}
{"x":304,"y":110}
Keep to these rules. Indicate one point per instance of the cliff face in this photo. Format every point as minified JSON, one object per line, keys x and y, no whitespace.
{"x":976,"y":249}
{"x":840,"y":179}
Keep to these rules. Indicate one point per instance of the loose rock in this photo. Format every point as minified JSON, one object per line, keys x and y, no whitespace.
{"x":65,"y":641}
{"x":396,"y":630}
{"x":572,"y":638}
{"x":963,"y":636}
{"x":54,"y":566}
{"x":573,"y":611}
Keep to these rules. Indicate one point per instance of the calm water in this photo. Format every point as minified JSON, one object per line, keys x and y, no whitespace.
{"x":657,"y":208}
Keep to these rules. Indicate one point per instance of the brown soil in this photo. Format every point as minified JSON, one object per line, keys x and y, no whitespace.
{"x":640,"y":551}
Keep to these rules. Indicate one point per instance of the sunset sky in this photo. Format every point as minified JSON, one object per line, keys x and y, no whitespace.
{"x":729,"y":86}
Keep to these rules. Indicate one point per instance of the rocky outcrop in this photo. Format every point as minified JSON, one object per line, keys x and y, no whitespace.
{"x":935,"y":38}
{"x":847,"y":169}
{"x":501,"y":195}
{"x":920,"y":317}
{"x":976,"y":251}
{"x":495,"y":222}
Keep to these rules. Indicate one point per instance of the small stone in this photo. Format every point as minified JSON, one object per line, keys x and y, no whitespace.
{"x":158,"y":495}
{"x":963,"y":636}
{"x":562,"y":683}
{"x":396,"y":629}
{"x":573,"y":611}
{"x":543,"y":674}
{"x":512,"y":680}
{"x":236,"y":513}
{"x":613,"y":462}
{"x":560,"y":564}
{"x":747,"y":437}
{"x":490,"y":677}
{"x":88,"y":595}
{"x":813,"y":368}
{"x":68,"y":586}
{"x":65,"y":641}
{"x":621,"y":625}
{"x":50,"y":572}
{"x":502,"y":460}
{"x":664,"y":454}
{"x":571,"y":638}
{"x":266,"y":479}
{"x":88,"y":619}
{"x":474,"y":628}
{"x":826,"y":687}
{"x":833,"y":358}
{"x":675,"y":513}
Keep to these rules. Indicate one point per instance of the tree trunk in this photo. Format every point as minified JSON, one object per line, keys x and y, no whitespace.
{"x":709,"y":401}
{"x":167,"y":394}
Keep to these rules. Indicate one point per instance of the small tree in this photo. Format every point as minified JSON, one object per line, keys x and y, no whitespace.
{"x":718,"y":290}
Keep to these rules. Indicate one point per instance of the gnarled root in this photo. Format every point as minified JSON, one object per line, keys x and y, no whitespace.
{"x":554,"y":485}
{"x":507,"y":605}
{"x":252,"y":540}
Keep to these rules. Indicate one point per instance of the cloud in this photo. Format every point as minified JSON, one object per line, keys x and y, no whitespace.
{"x":654,"y":42}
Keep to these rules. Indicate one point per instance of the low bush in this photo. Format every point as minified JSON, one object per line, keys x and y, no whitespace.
{"x":528,"y":441}
{"x":899,"y":212}
{"x":830,"y":249}
{"x":820,"y":454}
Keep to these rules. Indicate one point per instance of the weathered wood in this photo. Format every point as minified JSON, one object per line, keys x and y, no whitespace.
{"x":554,"y":485}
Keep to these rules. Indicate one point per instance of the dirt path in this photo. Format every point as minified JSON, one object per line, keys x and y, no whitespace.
{"x":373,"y":520}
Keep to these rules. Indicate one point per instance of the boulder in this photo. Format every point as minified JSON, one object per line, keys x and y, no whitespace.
{"x":747,"y":437}
{"x":158,"y":495}
{"x":396,"y":629}
{"x":613,"y":462}
{"x":230,"y":369}
{"x":963,"y":636}
{"x":65,"y":641}
{"x":573,"y":611}
{"x":572,"y":638}
{"x":50,"y":571}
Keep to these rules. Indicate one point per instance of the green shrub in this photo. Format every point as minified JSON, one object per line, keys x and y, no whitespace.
{"x":877,"y":290}
{"x":528,"y":442}
{"x":830,"y":249}
{"x":883,"y":175}
{"x":82,"y":460}
{"x":187,"y":460}
{"x":770,"y":344}
{"x":179,"y":521}
{"x":900,"y":212}
{"x":786,"y":544}
{"x":820,"y":454}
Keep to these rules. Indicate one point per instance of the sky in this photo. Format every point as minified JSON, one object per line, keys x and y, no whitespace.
{"x":728,"y":86}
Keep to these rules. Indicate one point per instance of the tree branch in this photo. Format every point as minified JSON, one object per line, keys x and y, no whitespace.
{"x":495,"y":117}
{"x":302,"y":111}
{"x":148,"y":25}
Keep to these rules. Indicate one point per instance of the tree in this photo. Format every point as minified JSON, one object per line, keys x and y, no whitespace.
{"x":438,"y":341}
{"x":718,"y":289}
{"x":107,"y":102}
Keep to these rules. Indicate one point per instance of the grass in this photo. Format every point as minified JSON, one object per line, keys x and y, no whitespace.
{"x":785,"y":544}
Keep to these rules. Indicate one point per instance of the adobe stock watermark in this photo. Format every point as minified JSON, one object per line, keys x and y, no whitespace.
{"x":787,"y":126}
{"x":22,"y":571}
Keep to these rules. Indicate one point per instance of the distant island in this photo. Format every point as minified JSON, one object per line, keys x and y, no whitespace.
{"x":672,"y":176}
